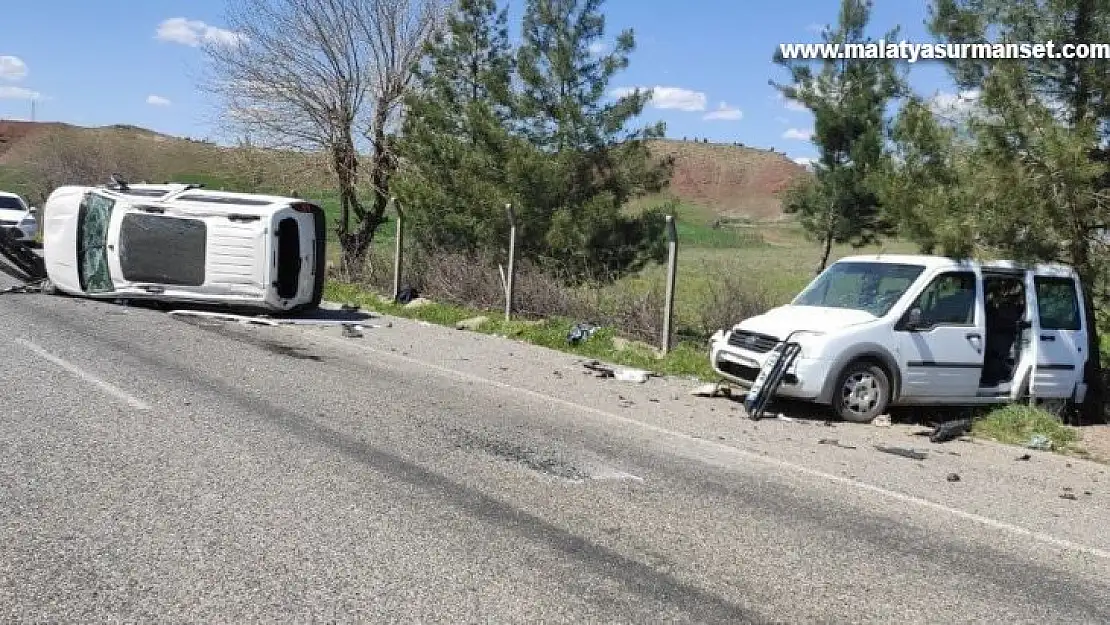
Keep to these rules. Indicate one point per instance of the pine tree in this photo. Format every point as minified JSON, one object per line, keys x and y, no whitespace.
{"x":848,"y":98}
{"x":588,"y":163}
{"x":456,"y":141}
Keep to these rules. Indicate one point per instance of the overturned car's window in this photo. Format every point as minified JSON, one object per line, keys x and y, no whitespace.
{"x":162,"y":250}
{"x":92,"y":239}
{"x":870,"y":287}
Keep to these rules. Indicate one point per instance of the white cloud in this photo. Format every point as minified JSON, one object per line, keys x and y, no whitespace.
{"x":797,"y":134}
{"x":195,"y":32}
{"x":669,"y":97}
{"x":805,"y":161}
{"x":724,"y":112}
{"x":794,"y":105}
{"x":948,"y":104}
{"x":18,"y":93}
{"x":12,"y":68}
{"x":790,"y":105}
{"x":598,"y":48}
{"x":157,"y":100}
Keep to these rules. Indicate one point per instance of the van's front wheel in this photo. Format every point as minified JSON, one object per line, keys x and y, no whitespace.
{"x":862,"y":392}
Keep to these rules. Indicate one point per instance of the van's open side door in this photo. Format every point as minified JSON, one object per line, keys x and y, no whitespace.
{"x":1058,"y":336}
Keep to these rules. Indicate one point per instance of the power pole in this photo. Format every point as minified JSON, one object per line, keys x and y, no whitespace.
{"x":32,"y":109}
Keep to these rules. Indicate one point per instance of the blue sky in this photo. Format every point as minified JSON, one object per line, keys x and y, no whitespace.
{"x":103,"y":62}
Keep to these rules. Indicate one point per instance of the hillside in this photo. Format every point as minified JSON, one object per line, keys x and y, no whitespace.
{"x":729,"y":180}
{"x":721,"y":180}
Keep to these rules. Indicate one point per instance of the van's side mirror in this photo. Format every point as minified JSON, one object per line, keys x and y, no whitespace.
{"x":913,"y":319}
{"x":33,"y":210}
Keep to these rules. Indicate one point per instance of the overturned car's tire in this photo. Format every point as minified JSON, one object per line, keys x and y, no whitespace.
{"x":862,"y":392}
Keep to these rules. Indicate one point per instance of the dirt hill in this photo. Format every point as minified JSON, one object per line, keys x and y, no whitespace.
{"x":11,"y":133}
{"x":724,"y":180}
{"x":730,"y":180}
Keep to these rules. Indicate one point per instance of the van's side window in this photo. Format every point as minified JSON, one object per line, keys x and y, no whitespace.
{"x":949,"y":300}
{"x":1058,"y":303}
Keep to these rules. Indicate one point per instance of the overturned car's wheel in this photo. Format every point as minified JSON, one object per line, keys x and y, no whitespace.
{"x":862,"y":392}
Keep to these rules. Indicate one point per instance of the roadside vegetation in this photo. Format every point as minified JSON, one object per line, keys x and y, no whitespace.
{"x":1021,"y":424}
{"x":533,"y":115}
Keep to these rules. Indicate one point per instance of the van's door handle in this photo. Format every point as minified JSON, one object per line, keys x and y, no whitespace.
{"x":1048,"y":337}
{"x":975,"y":339}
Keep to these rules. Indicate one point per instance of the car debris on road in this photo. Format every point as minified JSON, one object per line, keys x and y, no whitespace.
{"x":835,"y":443}
{"x":1040,"y":442}
{"x":638,"y":376}
{"x":351,"y":329}
{"x":717,"y":389}
{"x":581,"y":332}
{"x":950,"y":430}
{"x":912,"y":454}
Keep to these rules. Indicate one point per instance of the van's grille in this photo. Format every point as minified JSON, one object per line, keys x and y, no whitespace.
{"x":751,"y":341}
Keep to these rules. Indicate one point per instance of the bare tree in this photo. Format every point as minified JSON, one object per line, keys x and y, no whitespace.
{"x":324,"y":75}
{"x":394,"y":31}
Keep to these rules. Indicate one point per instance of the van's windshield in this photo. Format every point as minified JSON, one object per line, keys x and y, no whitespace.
{"x":9,"y":203}
{"x":870,"y":287}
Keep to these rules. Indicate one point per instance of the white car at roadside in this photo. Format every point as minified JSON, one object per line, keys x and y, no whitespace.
{"x":878,"y":331}
{"x":17,"y":218}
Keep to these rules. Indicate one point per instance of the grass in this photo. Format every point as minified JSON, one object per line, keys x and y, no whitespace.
{"x":684,"y":359}
{"x":1017,"y":424}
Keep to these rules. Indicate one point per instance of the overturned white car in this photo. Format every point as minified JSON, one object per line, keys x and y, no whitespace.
{"x":182,"y":243}
{"x":876,"y":331}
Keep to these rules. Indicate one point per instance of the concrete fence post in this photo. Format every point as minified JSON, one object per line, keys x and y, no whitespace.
{"x":511,"y":270}
{"x":672,"y":268}
{"x":398,"y":247}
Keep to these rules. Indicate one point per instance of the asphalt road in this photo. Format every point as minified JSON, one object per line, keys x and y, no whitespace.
{"x":158,"y":469}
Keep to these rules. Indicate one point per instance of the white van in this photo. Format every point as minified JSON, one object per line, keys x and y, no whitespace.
{"x":17,"y":218}
{"x":182,"y":243}
{"x":876,"y":331}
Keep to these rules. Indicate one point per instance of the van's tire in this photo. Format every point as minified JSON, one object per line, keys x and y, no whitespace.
{"x":862,"y":392}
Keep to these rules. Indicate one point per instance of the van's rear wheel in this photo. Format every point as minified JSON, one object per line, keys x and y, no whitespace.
{"x":862,"y":392}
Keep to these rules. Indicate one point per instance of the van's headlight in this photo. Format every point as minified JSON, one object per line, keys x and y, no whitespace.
{"x":811,"y":342}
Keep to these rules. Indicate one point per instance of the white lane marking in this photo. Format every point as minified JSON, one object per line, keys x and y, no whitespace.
{"x":107,"y":387}
{"x":747,"y":455}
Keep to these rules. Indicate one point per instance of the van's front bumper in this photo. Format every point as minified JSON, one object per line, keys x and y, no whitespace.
{"x":21,"y":231}
{"x":804,"y":379}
